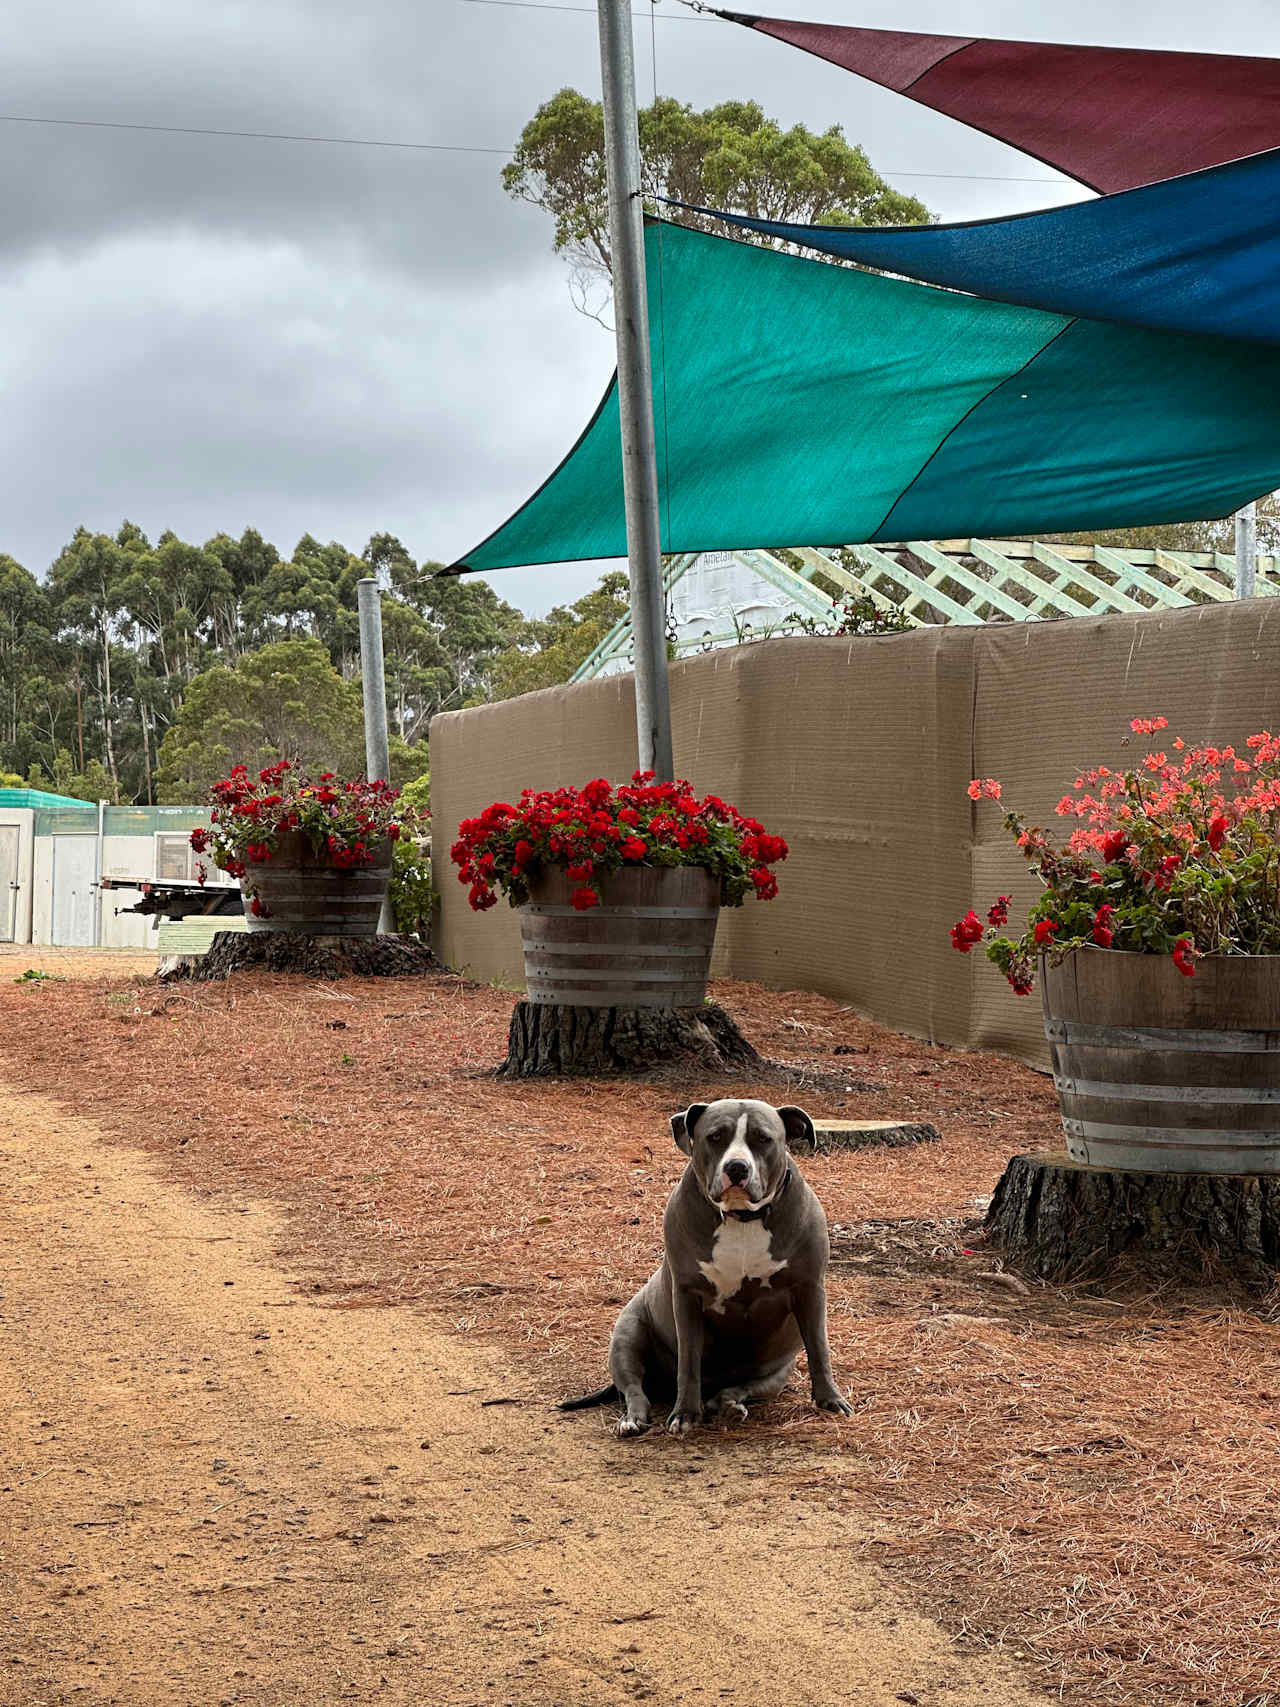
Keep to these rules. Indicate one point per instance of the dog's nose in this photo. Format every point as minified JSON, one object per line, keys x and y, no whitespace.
{"x":735,"y":1172}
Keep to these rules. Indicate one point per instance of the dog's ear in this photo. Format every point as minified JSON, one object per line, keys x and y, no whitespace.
{"x":682,"y":1126}
{"x":799,"y":1128}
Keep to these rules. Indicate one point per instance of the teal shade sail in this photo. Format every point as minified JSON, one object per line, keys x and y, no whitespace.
{"x":797,"y":402}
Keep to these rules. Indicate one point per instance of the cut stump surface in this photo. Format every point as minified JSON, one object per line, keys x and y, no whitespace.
{"x":1056,"y":1218}
{"x":869,"y":1134}
{"x":551,"y":1040}
{"x":328,"y":957}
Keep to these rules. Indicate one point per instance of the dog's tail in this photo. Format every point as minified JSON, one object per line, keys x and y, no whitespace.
{"x":602,"y":1397}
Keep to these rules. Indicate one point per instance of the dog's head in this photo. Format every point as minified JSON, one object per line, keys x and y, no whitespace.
{"x":739,"y":1148}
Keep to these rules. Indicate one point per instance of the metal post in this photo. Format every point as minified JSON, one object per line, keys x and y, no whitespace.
{"x":97,"y":878}
{"x":635,"y":388}
{"x":1247,"y":551}
{"x":374,"y":683}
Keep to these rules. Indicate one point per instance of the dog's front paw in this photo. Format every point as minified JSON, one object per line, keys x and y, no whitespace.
{"x":683,"y":1418}
{"x":728,"y":1407}
{"x":833,"y":1401}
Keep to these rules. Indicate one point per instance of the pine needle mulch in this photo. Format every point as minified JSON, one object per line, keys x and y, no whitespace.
{"x":1089,"y":1479}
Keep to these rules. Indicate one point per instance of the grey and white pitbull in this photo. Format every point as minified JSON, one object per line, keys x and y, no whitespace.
{"x":741,"y":1287}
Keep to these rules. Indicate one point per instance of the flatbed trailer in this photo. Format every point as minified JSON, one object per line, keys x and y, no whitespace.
{"x":178,"y":899}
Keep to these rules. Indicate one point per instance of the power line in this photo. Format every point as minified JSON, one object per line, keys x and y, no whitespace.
{"x":417,"y":147}
{"x":546,"y":6}
{"x":705,"y":17}
{"x":969,"y":177}
{"x":255,"y":135}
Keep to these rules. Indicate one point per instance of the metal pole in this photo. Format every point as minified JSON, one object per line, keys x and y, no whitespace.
{"x":1247,"y":551}
{"x":97,"y":878}
{"x":377,"y":762}
{"x":635,"y":388}
{"x":374,"y":683}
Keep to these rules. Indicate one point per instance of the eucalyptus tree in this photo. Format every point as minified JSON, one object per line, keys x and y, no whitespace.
{"x":472,"y":624}
{"x":285,"y":701}
{"x":731,"y":156}
{"x":564,"y":638}
{"x":248,"y":561}
{"x":420,"y":676}
{"x":84,"y":585}
{"x":23,"y":615}
{"x":172,"y":595}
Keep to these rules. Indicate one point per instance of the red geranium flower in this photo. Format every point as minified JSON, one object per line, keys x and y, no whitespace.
{"x":596,"y":830}
{"x":966,"y":932}
{"x":344,"y":820}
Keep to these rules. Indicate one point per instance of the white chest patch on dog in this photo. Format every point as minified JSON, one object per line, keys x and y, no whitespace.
{"x":741,"y":1251}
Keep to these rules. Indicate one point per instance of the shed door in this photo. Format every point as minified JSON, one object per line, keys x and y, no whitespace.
{"x":74,"y":858}
{"x":8,"y":881}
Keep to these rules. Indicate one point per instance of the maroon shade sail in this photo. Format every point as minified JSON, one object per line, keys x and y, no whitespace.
{"x":1111,"y":117}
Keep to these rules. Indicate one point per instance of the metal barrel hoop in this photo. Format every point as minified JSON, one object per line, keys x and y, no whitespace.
{"x":647,"y":945}
{"x":300,"y":891}
{"x":1163,"y":1073}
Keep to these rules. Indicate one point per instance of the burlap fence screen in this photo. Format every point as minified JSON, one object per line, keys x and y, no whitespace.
{"x":859,"y":752}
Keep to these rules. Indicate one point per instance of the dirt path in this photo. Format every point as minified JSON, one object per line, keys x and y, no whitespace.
{"x":213,"y":1491}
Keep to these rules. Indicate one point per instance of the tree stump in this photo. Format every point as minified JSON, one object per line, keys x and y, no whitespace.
{"x":327,"y":957}
{"x":1058,"y":1219}
{"x":554,"y":1040}
{"x":873,"y":1134}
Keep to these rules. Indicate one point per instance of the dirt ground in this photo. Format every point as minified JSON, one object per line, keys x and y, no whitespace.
{"x":1078,"y":1483}
{"x":215,"y":1490}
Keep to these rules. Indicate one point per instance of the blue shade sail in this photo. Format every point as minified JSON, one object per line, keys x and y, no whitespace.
{"x":1196,"y":254}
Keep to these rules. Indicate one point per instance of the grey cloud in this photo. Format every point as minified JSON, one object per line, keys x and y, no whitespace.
{"x":303,"y":69}
{"x":211,"y":333}
{"x":198,"y":385}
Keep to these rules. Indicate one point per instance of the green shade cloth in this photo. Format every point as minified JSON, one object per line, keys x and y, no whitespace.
{"x":801,"y":403}
{"x":30,"y":798}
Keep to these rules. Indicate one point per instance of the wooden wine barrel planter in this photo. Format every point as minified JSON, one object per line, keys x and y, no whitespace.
{"x":647,"y":945}
{"x":1164,"y":1073}
{"x":304,"y":892}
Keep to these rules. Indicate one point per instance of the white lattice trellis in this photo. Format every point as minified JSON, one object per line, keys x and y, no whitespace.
{"x":966,"y":581}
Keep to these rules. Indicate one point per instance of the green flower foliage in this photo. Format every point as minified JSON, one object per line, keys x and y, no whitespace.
{"x":412,"y":894}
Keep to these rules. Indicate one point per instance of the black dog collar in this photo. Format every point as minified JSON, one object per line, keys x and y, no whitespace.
{"x":760,"y":1214}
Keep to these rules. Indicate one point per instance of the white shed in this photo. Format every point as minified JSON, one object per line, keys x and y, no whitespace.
{"x":54,"y":850}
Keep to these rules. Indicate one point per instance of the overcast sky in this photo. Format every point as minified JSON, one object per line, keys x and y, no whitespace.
{"x":210,"y":333}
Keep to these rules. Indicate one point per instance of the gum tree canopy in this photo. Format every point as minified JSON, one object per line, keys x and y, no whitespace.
{"x":731,"y":156}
